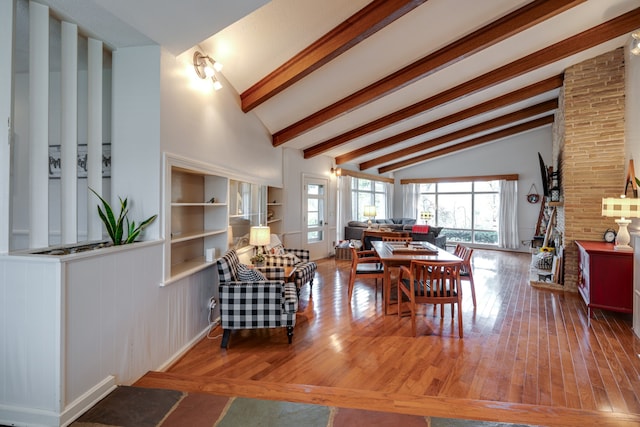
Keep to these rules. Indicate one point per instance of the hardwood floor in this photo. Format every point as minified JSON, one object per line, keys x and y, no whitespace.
{"x":528,"y":355}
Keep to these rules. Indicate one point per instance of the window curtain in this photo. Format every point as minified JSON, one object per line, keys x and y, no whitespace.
{"x":389,"y":201}
{"x":508,"y":224}
{"x":344,"y":204}
{"x":410,"y":197}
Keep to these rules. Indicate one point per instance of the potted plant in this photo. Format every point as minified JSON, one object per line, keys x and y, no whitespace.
{"x":117,"y":227}
{"x":258,"y":259}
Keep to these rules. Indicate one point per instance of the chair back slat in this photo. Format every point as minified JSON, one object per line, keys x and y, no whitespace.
{"x":431,"y":282}
{"x":405,"y":239}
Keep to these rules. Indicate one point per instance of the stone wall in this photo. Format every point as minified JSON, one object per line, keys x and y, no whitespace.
{"x":590,"y":151}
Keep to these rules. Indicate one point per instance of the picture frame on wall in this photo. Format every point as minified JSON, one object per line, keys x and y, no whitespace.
{"x":55,"y":161}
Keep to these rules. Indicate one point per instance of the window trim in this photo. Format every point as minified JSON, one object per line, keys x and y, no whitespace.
{"x":507,"y":177}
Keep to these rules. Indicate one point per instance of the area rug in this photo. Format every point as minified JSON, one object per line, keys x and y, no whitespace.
{"x":150,"y":407}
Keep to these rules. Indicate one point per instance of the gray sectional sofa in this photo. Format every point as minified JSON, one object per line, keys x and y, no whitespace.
{"x":354,"y":229}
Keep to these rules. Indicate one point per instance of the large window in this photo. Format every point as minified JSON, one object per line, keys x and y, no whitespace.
{"x":367,"y":192}
{"x":468,"y":211}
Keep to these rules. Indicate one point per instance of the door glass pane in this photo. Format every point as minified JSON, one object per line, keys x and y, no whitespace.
{"x":314,"y":236}
{"x":312,"y":219}
{"x":313,"y":189}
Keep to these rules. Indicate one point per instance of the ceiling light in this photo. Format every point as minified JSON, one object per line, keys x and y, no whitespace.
{"x":206,"y":67}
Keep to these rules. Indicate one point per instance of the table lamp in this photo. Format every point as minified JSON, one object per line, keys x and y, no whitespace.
{"x":369,"y":212}
{"x":623,"y":208}
{"x":426,"y":216}
{"x":259,"y":237}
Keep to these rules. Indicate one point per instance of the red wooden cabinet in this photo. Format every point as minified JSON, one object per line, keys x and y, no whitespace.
{"x":605,"y":276}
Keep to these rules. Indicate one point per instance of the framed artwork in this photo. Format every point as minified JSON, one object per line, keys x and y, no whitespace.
{"x":55,"y":161}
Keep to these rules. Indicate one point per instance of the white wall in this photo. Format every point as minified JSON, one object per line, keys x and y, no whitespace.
{"x":295,"y":167}
{"x":632,"y":108}
{"x":6,"y":41}
{"x":136,"y":160}
{"x":209,"y":126}
{"x":517,"y":154}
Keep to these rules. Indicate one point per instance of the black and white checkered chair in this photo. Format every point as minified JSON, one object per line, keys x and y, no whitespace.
{"x":254,"y":304}
{"x":279,"y":256}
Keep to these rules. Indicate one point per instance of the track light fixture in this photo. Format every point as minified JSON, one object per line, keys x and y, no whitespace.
{"x":206,"y":67}
{"x":635,"y":43}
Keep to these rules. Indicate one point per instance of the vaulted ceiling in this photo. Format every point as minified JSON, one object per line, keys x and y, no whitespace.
{"x":387,"y":84}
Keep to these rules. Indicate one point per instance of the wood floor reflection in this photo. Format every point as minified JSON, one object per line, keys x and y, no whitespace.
{"x":528,"y":355}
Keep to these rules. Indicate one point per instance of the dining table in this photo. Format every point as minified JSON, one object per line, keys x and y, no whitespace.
{"x":394,"y":254}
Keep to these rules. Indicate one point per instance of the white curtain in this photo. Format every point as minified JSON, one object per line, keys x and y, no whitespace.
{"x":389,"y":204}
{"x":344,"y":204}
{"x":410,"y":200}
{"x":508,"y":228}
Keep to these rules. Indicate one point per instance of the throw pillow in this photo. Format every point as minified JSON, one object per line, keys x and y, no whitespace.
{"x":294,"y":259}
{"x":436,"y":231}
{"x":246,"y":274}
{"x":277,"y":250}
{"x":420,"y":229}
{"x":357,"y":224}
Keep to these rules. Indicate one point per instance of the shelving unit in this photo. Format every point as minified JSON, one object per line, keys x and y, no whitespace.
{"x":275,"y":210}
{"x":196,"y":218}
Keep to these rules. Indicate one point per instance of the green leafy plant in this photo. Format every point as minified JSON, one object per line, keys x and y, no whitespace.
{"x":116,"y":227}
{"x":257,"y":258}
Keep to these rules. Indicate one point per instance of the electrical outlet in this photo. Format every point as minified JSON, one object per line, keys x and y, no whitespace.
{"x":212,"y":303}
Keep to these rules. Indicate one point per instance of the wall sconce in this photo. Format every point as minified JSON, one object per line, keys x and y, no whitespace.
{"x":336,"y":171}
{"x":635,"y":43}
{"x":206,"y":67}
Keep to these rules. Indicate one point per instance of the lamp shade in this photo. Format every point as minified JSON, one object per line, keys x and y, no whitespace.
{"x":260,"y":236}
{"x":369,"y":211}
{"x":620,"y":207}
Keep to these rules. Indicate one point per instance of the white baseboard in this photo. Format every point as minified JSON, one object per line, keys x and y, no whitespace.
{"x":177,"y":355}
{"x":21,"y":416}
{"x":87,"y":400}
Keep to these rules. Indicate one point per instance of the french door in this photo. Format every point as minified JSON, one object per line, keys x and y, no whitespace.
{"x":315,"y":227}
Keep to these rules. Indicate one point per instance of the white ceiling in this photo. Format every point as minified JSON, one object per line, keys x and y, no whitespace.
{"x":252,"y":46}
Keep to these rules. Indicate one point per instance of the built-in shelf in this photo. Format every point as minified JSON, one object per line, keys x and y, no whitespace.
{"x":275,"y":210}
{"x":198,"y":204}
{"x":192,"y":224}
{"x":186,"y":269}
{"x":195,"y":235}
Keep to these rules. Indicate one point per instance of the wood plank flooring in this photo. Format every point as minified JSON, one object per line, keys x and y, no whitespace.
{"x":528,"y":355}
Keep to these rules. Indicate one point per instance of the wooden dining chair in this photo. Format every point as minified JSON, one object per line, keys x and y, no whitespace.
{"x":430,"y":282}
{"x":466,"y":273}
{"x":365,"y":264}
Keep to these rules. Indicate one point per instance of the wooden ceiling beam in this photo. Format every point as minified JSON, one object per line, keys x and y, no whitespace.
{"x":518,"y":95}
{"x":523,"y":127}
{"x":615,"y":27}
{"x":504,"y":120}
{"x":367,"y":21}
{"x":497,"y":31}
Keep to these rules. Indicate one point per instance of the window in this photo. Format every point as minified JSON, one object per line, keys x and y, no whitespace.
{"x":468,"y":211}
{"x":367,"y":192}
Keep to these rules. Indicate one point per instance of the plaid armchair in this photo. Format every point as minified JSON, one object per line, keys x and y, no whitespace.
{"x":279,"y":256}
{"x":254,"y":304}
